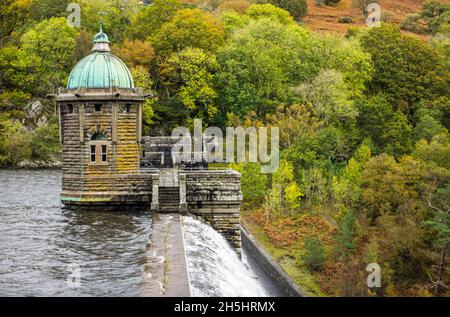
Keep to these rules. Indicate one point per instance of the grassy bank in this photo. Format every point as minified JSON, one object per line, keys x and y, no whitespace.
{"x":284,"y":240}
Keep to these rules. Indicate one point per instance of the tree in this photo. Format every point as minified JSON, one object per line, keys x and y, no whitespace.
{"x":297,"y":8}
{"x":150,"y":18}
{"x":297,"y":120}
{"x":314,"y":256}
{"x":427,"y":127}
{"x":391,"y":188}
{"x":435,"y":15}
{"x":49,"y":49}
{"x":437,"y":151}
{"x":233,"y":21}
{"x":315,"y":186}
{"x":257,"y":67}
{"x":440,"y":223}
{"x":334,"y":52}
{"x":389,"y":130}
{"x":47,"y":9}
{"x":45,"y":142}
{"x":377,"y":196}
{"x":135,"y":53}
{"x":238,"y":6}
{"x":253,"y":183}
{"x":15,"y":143}
{"x":188,"y":28}
{"x":14,"y":13}
{"x":269,"y":11}
{"x":116,"y":18}
{"x":143,"y":80}
{"x":345,"y":241}
{"x":398,"y":135}
{"x":285,"y":192}
{"x":189,"y":75}
{"x":347,"y":188}
{"x":405,"y":67}
{"x":13,"y":103}
{"x":329,"y":96}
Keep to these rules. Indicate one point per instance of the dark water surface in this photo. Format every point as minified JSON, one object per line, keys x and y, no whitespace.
{"x":40,"y":243}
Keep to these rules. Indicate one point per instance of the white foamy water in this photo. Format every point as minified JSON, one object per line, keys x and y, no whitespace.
{"x":214,"y":267}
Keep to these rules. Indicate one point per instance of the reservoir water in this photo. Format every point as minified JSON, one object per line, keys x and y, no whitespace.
{"x":45,"y":248}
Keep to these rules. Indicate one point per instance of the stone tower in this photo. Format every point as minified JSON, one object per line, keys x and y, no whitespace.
{"x":100,"y":115}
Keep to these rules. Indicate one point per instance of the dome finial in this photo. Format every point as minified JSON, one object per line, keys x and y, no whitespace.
{"x":101,"y":41}
{"x":101,"y":13}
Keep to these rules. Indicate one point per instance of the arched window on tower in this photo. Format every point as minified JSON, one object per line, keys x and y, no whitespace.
{"x":99,"y":149}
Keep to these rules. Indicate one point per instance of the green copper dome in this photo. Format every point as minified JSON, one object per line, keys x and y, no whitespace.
{"x":100,"y":69}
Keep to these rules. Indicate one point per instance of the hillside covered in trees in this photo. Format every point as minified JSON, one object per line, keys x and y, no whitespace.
{"x":364,"y":118}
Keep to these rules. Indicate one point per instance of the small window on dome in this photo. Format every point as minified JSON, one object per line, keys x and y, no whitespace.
{"x":98,"y":107}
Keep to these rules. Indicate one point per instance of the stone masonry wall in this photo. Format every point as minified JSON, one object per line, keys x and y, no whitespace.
{"x":216,"y":197}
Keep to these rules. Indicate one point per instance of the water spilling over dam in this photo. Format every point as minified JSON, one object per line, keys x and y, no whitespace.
{"x":39,"y":242}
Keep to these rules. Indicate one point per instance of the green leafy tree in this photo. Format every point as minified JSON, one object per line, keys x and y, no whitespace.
{"x":49,"y":49}
{"x":329,"y":96}
{"x":297,"y":8}
{"x":314,"y":256}
{"x":405,"y":67}
{"x":13,"y":103}
{"x":188,"y":28}
{"x":46,"y":9}
{"x":437,"y":151}
{"x":14,"y":13}
{"x":285,"y":193}
{"x":440,"y":223}
{"x":45,"y":142}
{"x":345,"y":238}
{"x":427,"y":127}
{"x":143,"y":80}
{"x":315,"y":185}
{"x":150,"y":18}
{"x":347,"y":188}
{"x":189,"y":74}
{"x":435,"y":14}
{"x":233,"y":21}
{"x":398,"y":135}
{"x":116,"y":16}
{"x":269,"y":11}
{"x":257,"y":66}
{"x":15,"y":143}
{"x":253,"y":183}
{"x":389,"y":130}
{"x":297,"y":121}
{"x":391,"y":188}
{"x":333,"y":52}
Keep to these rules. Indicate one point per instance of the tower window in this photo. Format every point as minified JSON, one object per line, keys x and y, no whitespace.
{"x":99,"y":149}
{"x":104,"y":155}
{"x":93,"y":153}
{"x":98,"y":107}
{"x":70,"y":108}
{"x":128,"y":108}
